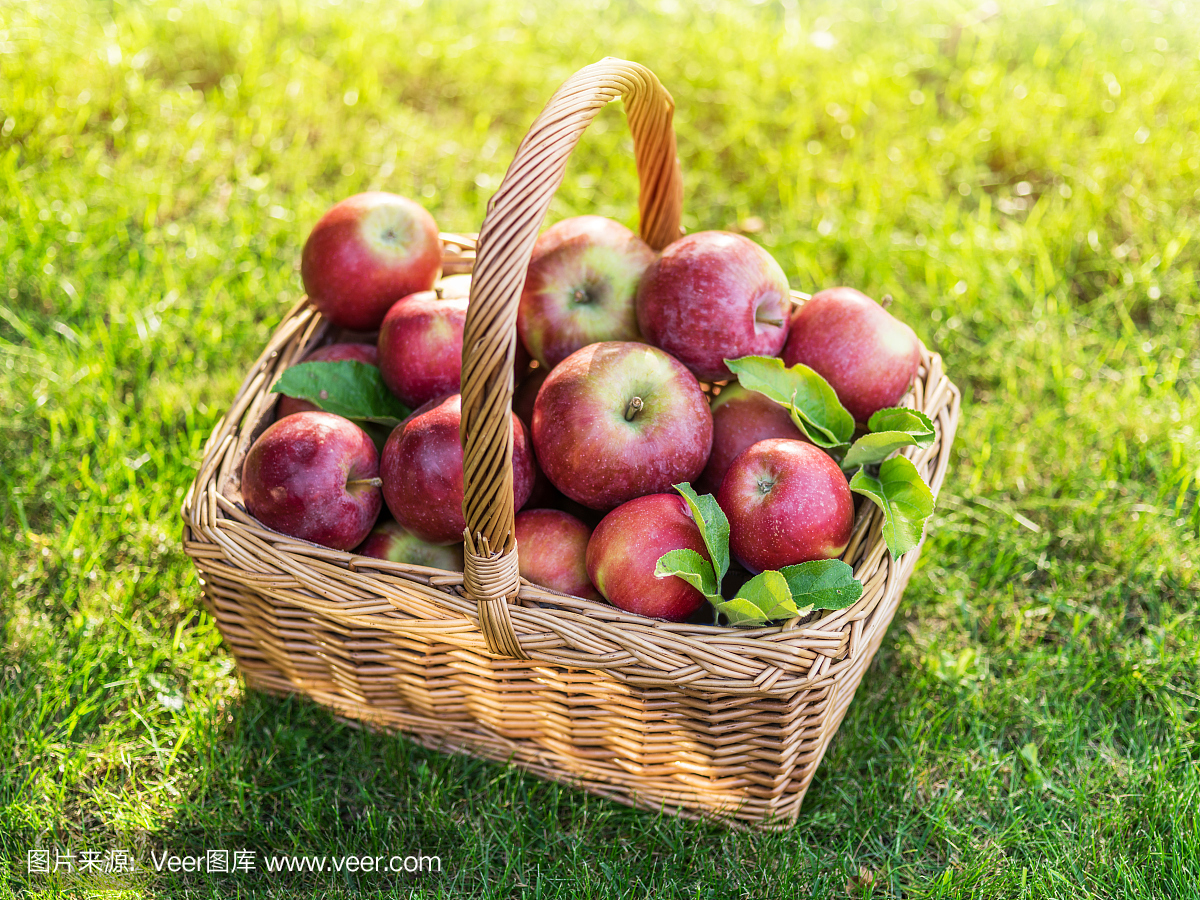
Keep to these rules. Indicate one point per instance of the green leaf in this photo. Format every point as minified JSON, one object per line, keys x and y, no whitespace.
{"x":903,"y":496}
{"x":813,"y":404}
{"x":740,"y":612}
{"x":347,"y":387}
{"x":692,"y":568}
{"x":891,"y":429}
{"x":769,"y":591}
{"x":764,"y":598}
{"x":822,"y":584}
{"x":903,"y":418}
{"x":713,"y":525}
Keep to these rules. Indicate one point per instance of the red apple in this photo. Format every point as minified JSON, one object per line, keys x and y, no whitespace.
{"x":364,"y":353}
{"x":787,"y":502}
{"x":422,"y":471}
{"x":580,"y":287}
{"x":366,"y":253}
{"x":868,"y":356}
{"x":713,"y":296}
{"x":388,"y":540}
{"x":617,"y":420}
{"x":625,"y":548}
{"x":741,"y":418}
{"x":314,"y":476}
{"x":420,"y":346}
{"x":552,"y":550}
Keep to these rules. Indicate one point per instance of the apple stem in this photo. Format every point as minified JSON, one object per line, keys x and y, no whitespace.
{"x":364,"y":482}
{"x":440,"y":291}
{"x":886,"y":301}
{"x":775,"y":322}
{"x":634,"y":407}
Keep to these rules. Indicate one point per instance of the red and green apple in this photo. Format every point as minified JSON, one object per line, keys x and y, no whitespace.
{"x":580,"y":287}
{"x":713,"y":296}
{"x":868,"y":356}
{"x":552,"y":551}
{"x":366,"y":253}
{"x":422,"y":471}
{"x":617,"y":420}
{"x":624,"y":550}
{"x":787,"y":502}
{"x":314,"y":476}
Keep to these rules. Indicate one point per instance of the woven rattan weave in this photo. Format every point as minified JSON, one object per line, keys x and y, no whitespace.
{"x":701,"y":720}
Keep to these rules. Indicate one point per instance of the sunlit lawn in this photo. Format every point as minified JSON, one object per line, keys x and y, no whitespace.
{"x":1027,"y":188}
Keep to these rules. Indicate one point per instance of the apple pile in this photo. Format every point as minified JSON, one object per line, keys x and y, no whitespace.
{"x":646,"y":373}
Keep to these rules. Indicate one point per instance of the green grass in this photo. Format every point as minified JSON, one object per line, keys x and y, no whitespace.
{"x":1029,"y":192}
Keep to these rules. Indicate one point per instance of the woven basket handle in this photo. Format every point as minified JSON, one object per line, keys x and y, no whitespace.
{"x":514,"y":217}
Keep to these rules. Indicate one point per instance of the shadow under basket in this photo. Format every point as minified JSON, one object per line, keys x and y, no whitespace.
{"x":701,"y":721}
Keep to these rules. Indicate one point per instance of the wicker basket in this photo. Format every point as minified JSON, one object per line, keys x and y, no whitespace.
{"x":704,"y":721}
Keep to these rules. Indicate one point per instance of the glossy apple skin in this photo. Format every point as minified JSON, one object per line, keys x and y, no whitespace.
{"x":366,"y":253}
{"x":741,"y":418}
{"x":295,"y":480}
{"x":388,"y":540}
{"x":787,"y":502}
{"x":626,"y":546}
{"x":592,"y":452}
{"x":552,"y":551}
{"x":713,"y":296}
{"x":868,"y":356}
{"x":364,"y":353}
{"x":422,"y":471}
{"x":420,"y":347}
{"x":580,"y":287}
